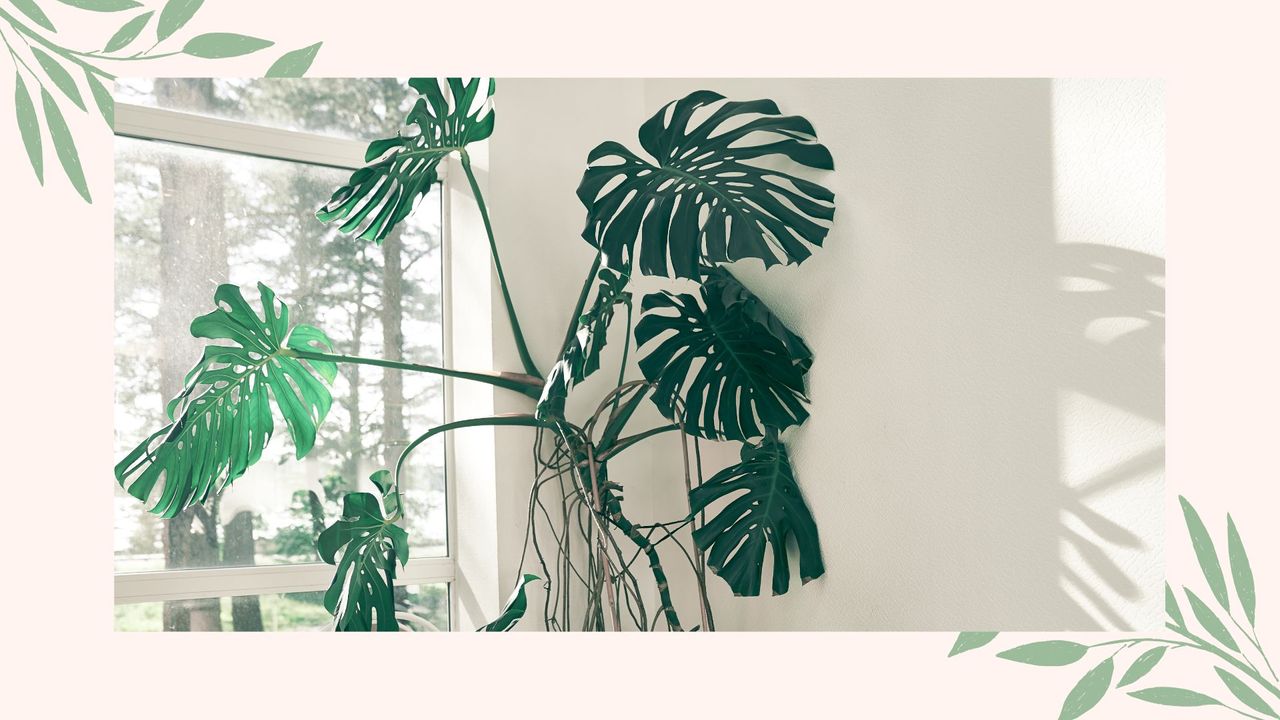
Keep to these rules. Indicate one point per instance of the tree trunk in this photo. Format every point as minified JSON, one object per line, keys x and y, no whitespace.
{"x":393,"y":430}
{"x":237,"y":549}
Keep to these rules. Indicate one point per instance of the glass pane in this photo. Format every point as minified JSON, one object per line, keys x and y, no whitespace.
{"x":360,"y":109}
{"x":428,"y":606}
{"x":189,"y":219}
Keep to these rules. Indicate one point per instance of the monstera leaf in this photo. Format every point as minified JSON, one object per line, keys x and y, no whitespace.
{"x":735,"y":369}
{"x":403,"y":168}
{"x":361,"y":596}
{"x":515,"y":608}
{"x":582,"y":355}
{"x":704,"y":197}
{"x":222,"y":420}
{"x":765,"y":508}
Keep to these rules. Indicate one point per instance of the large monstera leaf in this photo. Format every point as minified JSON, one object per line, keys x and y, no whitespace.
{"x":362,"y":596}
{"x":582,"y":355}
{"x":765,"y":508}
{"x":723,"y":364}
{"x":704,"y":196}
{"x":449,"y":116}
{"x":222,"y":420}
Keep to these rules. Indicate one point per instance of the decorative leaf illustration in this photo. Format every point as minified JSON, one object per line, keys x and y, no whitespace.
{"x":102,"y":5}
{"x":1046,"y":653}
{"x":29,"y":127}
{"x":63,"y":145}
{"x":1241,"y":573}
{"x":174,"y":15}
{"x":1173,"y":696}
{"x":102,"y":96}
{"x":1088,"y":691}
{"x":1205,"y":553}
{"x":765,"y":508}
{"x":1171,"y":606}
{"x":403,"y":168}
{"x":735,"y":367}
{"x":33,"y":11}
{"x":223,"y":45}
{"x":1210,"y":622}
{"x":702,"y":199}
{"x":128,"y":32}
{"x":1244,"y":693}
{"x":294,"y":64}
{"x":967,"y":641}
{"x":514,"y":609}
{"x":582,"y":356}
{"x":59,"y":76}
{"x":371,"y":544}
{"x":1145,"y":663}
{"x":225,"y":418}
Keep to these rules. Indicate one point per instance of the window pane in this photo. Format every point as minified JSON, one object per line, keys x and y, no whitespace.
{"x":188,"y":220}
{"x":360,"y":109}
{"x":426,"y":605}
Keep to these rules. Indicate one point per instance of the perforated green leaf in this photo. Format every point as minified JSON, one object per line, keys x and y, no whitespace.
{"x":222,"y":420}
{"x":582,"y":356}
{"x":765,"y":508}
{"x":449,"y":116}
{"x":703,"y":195}
{"x":735,"y":369}
{"x":361,"y":596}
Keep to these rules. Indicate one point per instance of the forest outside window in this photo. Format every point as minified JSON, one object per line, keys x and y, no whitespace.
{"x":218,"y":181}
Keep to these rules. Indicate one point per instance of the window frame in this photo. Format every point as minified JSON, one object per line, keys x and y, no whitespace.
{"x":144,"y":122}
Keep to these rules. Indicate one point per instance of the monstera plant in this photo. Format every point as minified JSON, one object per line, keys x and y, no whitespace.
{"x":718,"y":181}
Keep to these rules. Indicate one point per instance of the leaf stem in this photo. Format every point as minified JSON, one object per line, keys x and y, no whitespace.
{"x":1256,"y":645}
{"x":524,"y":384}
{"x":525,"y":359}
{"x":1247,"y":669}
{"x":54,"y":47}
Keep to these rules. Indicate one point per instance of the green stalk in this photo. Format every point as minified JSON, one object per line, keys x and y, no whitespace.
{"x":524,"y":384}
{"x":582,"y":304}
{"x":1242,"y":667}
{"x":525,"y":359}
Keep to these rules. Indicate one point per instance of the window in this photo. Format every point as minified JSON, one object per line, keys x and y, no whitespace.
{"x":218,"y":181}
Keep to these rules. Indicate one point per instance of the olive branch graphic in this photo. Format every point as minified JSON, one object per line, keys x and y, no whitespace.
{"x":47,"y":64}
{"x":1243,"y":668}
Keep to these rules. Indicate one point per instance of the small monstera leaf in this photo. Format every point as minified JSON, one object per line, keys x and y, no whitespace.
{"x":515,"y":608}
{"x":725,"y":365}
{"x":766,"y":509}
{"x":582,"y":356}
{"x":704,"y":197}
{"x":448,"y":117}
{"x":222,"y":420}
{"x":362,"y":596}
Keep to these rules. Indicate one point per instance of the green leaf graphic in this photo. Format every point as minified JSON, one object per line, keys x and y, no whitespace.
{"x":102,"y":5}
{"x":1171,"y":607}
{"x":223,"y":45}
{"x":967,"y":641}
{"x":59,"y":76}
{"x":1241,"y":573}
{"x":1210,"y":621}
{"x":63,"y":145}
{"x":514,"y":609}
{"x":1244,"y":693}
{"x":102,"y":96}
{"x":31,"y":10}
{"x":294,"y":64}
{"x":1205,"y":553}
{"x":128,"y":32}
{"x":1088,"y":691}
{"x":1143,"y":665}
{"x":1046,"y":653}
{"x":29,"y":127}
{"x":175,"y":14}
{"x":1173,"y":696}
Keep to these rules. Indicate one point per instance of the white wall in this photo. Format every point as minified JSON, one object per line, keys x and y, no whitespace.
{"x":986,"y":440}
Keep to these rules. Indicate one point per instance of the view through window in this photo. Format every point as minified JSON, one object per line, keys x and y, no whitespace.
{"x":188,"y":218}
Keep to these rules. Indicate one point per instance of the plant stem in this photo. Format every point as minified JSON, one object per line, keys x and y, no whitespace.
{"x":1256,"y":645}
{"x":525,"y":359}
{"x":55,"y":48}
{"x":1200,"y":643}
{"x":580,"y":306}
{"x":523,"y":384}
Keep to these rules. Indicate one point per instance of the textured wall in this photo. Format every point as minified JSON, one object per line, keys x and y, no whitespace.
{"x":986,"y":444}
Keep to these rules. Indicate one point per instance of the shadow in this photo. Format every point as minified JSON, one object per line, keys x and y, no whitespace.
{"x":986,"y":442}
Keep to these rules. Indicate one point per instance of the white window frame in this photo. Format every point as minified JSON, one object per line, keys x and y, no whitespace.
{"x":244,"y":138}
